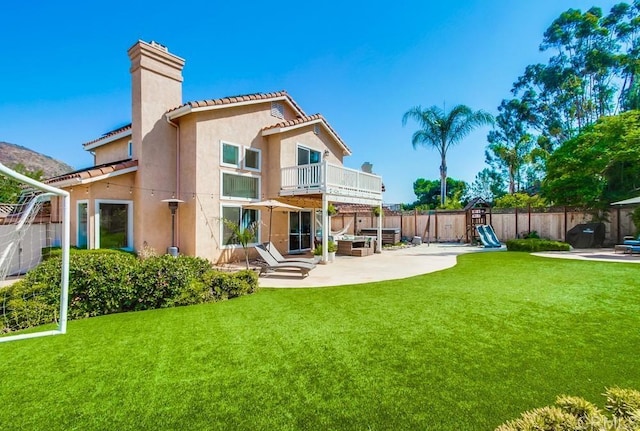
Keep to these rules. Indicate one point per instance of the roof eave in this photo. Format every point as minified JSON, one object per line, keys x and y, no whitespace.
{"x":107,"y":139}
{"x":275,"y":130}
{"x":77,"y":181}
{"x":188,"y":109}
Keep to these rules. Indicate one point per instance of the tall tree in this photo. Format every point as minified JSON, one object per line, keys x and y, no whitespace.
{"x":510,"y":143}
{"x":577,"y":86}
{"x":488,"y":185}
{"x":597,"y":167}
{"x":441,"y":130}
{"x":624,"y":23}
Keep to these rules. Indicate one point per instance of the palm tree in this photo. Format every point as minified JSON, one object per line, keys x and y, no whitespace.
{"x":243,"y":234}
{"x":441,"y":130}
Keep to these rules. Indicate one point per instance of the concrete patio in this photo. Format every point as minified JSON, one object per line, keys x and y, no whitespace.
{"x":388,"y":265}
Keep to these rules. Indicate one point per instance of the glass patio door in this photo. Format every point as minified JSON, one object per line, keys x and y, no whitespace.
{"x":299,"y":231}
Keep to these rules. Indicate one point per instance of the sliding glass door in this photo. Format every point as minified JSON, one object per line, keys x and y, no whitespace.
{"x":299,"y":231}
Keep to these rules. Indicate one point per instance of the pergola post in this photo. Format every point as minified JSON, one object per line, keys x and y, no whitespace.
{"x":325,"y":228}
{"x":379,"y":242}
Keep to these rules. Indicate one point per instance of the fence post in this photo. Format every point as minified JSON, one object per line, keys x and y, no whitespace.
{"x":619,"y":241}
{"x":565,"y":223}
{"x":517,"y":222}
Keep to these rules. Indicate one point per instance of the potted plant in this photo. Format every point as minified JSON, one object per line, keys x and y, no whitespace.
{"x":332,"y":247}
{"x":331,"y":210}
{"x":317,"y":253}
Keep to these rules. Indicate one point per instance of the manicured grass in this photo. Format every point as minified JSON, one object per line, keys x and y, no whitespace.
{"x":462,"y":349}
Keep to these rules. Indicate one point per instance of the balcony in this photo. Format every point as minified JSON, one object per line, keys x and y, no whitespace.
{"x":342,"y":184}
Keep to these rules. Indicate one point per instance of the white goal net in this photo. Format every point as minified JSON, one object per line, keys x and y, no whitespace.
{"x":34,"y":220}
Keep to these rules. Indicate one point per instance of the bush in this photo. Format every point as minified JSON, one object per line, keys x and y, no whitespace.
{"x":160,"y":280}
{"x":108,"y":281}
{"x":577,"y":414}
{"x":231,"y":285}
{"x":99,"y":282}
{"x":534,"y":244}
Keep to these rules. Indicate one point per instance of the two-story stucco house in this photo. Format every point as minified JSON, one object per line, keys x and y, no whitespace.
{"x":216,"y":156}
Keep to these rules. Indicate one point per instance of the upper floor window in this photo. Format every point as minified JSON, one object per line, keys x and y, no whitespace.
{"x":230,"y":154}
{"x":130,"y":149}
{"x":240,"y":186}
{"x":252,"y":159}
{"x":307,"y":156}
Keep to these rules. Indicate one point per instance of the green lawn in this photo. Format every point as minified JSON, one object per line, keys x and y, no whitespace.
{"x":462,"y":349}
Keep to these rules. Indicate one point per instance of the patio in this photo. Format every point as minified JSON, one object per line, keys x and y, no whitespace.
{"x":388,"y":265}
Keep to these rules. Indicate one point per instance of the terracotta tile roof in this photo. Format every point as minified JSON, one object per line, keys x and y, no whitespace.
{"x":239,"y":99}
{"x":299,"y":120}
{"x":109,"y":134}
{"x":94,"y":171}
{"x":307,"y":119}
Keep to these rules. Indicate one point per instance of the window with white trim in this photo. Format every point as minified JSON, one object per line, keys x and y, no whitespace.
{"x":252,"y":159}
{"x":114,"y":222}
{"x":130,"y":149}
{"x":240,"y":217}
{"x":229,"y":154}
{"x":240,"y":186}
{"x":307,"y":156}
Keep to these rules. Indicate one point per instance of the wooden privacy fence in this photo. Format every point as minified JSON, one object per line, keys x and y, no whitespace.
{"x":508,"y":223}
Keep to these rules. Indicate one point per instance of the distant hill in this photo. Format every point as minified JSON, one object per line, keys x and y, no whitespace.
{"x":11,"y":155}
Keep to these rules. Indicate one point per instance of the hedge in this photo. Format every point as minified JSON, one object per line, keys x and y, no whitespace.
{"x":535,"y":244}
{"x":106,"y":281}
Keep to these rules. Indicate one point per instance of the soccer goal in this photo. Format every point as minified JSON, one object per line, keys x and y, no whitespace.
{"x":33,"y":218}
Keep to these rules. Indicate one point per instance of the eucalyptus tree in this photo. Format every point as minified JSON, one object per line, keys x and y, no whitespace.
{"x":578,"y":85}
{"x":441,"y":130}
{"x":624,"y":23}
{"x":510,"y":146}
{"x":488,"y":185}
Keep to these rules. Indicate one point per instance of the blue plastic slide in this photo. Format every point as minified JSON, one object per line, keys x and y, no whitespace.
{"x":492,"y":235}
{"x":488,"y":236}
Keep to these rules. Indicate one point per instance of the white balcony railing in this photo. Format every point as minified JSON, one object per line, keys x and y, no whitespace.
{"x":328,"y":178}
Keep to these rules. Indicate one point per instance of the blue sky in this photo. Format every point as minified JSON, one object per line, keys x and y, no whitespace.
{"x":64,"y":76}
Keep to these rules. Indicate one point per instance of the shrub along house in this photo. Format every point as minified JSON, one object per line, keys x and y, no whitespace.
{"x":211,"y":157}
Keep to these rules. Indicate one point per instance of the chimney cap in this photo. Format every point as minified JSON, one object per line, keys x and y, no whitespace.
{"x":159,"y":46}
